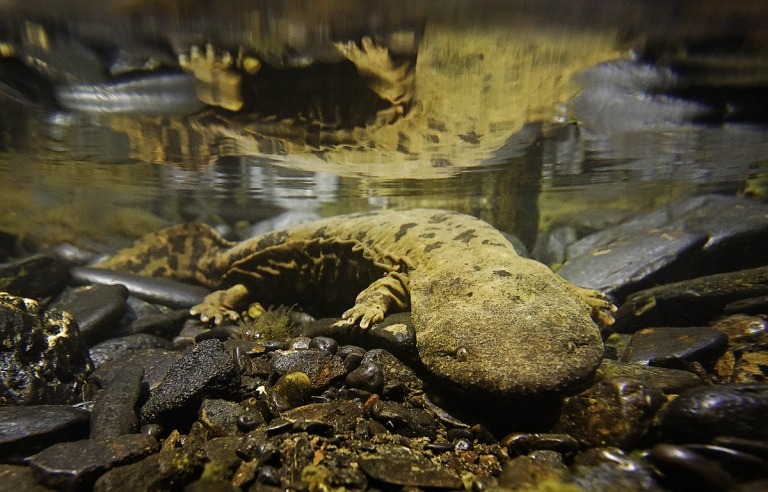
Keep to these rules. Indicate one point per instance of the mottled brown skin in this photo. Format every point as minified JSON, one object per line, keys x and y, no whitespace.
{"x":486,"y":319}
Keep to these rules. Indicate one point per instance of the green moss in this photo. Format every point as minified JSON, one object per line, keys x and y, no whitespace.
{"x":272,"y":324}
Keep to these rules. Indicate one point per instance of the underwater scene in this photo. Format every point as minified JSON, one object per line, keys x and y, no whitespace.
{"x":336,"y":245}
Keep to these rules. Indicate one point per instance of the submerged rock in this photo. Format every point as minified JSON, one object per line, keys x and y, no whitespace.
{"x":25,"y":430}
{"x":43,"y":360}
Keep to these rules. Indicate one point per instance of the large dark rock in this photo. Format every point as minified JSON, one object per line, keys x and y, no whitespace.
{"x":77,"y":465}
{"x":20,"y":479}
{"x":36,"y":277}
{"x":166,"y":470}
{"x":42,"y":359}
{"x":700,"y":414}
{"x":115,"y":348}
{"x":206,"y":371}
{"x":321,"y":367}
{"x":688,"y":238}
{"x":667,"y":346}
{"x":113,"y":412}
{"x":399,"y":465}
{"x":691,"y":302}
{"x":25,"y":430}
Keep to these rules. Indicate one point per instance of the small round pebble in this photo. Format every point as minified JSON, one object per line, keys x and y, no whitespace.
{"x":152,"y":430}
{"x":368,"y":376}
{"x":299,"y":343}
{"x":326,"y":344}
{"x":249,"y":421}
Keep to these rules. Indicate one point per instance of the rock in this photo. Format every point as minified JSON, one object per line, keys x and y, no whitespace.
{"x":223,"y":452}
{"x":326,"y":344}
{"x":35,"y":277}
{"x":740,"y":464}
{"x":754,"y":447}
{"x":550,"y":247}
{"x":741,"y":328}
{"x":701,"y":414}
{"x":529,"y":472}
{"x":667,"y":346}
{"x":165,"y":470}
{"x":77,"y":465}
{"x":689,"y":470}
{"x":689,"y":303}
{"x":152,"y":289}
{"x":96,"y":309}
{"x":113,"y":411}
{"x":523,"y":443}
{"x":25,"y":430}
{"x":42,"y":358}
{"x":207,"y":371}
{"x":322,"y":368}
{"x":320,"y":418}
{"x":220,"y":417}
{"x":290,"y":391}
{"x":399,"y":465}
{"x":325,"y":478}
{"x":367,"y":377}
{"x":409,"y":422}
{"x":20,"y":479}
{"x":165,"y":324}
{"x":613,"y":412}
{"x":611,"y":469}
{"x":399,"y":379}
{"x":687,"y":238}
{"x":115,"y":348}
{"x":668,"y":381}
{"x":155,"y":361}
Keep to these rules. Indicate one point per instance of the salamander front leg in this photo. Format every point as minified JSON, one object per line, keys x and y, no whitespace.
{"x":221,"y":304}
{"x":389,"y":293}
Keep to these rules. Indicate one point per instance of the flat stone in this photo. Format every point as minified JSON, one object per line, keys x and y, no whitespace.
{"x":220,"y":417}
{"x":689,"y":303}
{"x":116,"y":348}
{"x":206,"y":371}
{"x":321,"y":418}
{"x":399,"y":465}
{"x":155,"y":361}
{"x":43,"y":360}
{"x":523,"y":443}
{"x":77,"y":465}
{"x":701,"y":414}
{"x":528,"y":472}
{"x":409,"y":422}
{"x":668,"y":381}
{"x":166,"y":470}
{"x":609,"y":468}
{"x":27,"y":429}
{"x":613,"y":412}
{"x":666,"y":346}
{"x":399,"y":379}
{"x":113,"y":411}
{"x":689,"y":470}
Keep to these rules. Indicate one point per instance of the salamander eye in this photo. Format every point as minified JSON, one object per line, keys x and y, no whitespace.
{"x":462,"y":355}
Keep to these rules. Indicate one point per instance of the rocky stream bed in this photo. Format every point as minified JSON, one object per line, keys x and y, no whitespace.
{"x":109,"y":384}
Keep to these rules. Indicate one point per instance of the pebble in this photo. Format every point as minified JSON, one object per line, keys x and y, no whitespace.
{"x":326,"y":344}
{"x":743,"y":328}
{"x":77,"y":465}
{"x":530,"y":471}
{"x":290,"y":391}
{"x":43,"y":360}
{"x":206,"y":371}
{"x":113,"y":411}
{"x":399,"y":379}
{"x":324,"y":419}
{"x":698,"y":415}
{"x":614,"y":412}
{"x":220,"y":417}
{"x":738,"y":463}
{"x":155,"y":361}
{"x":25,"y":430}
{"x":611,"y":469}
{"x":96,"y":309}
{"x":20,"y":479}
{"x":666,"y":346}
{"x":152,"y":289}
{"x":368,"y":377}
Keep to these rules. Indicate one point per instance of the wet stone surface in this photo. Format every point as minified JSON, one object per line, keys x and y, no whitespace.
{"x":678,"y":403}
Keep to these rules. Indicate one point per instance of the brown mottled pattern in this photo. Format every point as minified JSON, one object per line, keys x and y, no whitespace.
{"x":520,"y":328}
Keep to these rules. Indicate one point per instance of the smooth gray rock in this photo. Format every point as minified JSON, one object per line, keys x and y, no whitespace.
{"x":27,"y":429}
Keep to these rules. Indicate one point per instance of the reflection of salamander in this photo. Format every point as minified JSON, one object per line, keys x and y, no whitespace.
{"x":486,"y":319}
